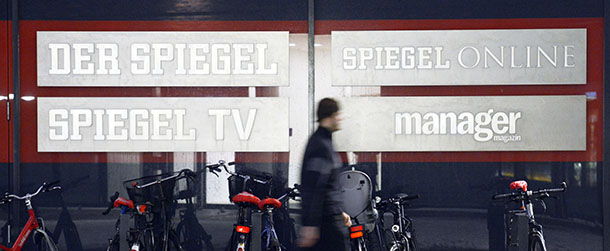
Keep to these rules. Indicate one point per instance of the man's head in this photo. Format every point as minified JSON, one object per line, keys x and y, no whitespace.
{"x":328,"y":114}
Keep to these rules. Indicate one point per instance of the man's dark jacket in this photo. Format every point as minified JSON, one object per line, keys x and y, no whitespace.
{"x":319,"y":186}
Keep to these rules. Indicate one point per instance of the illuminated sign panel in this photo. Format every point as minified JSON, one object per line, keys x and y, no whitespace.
{"x":162,"y":124}
{"x":459,"y":57}
{"x":495,"y":123}
{"x":162,"y":58}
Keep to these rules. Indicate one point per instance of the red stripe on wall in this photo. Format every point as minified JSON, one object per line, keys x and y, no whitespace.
{"x":262,"y":157}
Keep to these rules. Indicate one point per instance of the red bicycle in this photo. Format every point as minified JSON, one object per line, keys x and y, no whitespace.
{"x":42,"y":239}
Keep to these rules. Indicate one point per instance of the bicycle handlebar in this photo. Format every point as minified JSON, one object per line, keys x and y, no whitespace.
{"x":523,"y":195}
{"x":111,"y":203}
{"x":291,"y":192}
{"x":261,"y":180}
{"x":162,"y":180}
{"x":215,"y":168}
{"x":43,"y":188}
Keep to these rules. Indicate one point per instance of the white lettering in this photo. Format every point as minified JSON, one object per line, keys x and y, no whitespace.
{"x":218,"y":58}
{"x":219,"y":114}
{"x":241,"y":58}
{"x":144,"y":59}
{"x":568,"y":55}
{"x":197,"y":58}
{"x":461,"y":60}
{"x":58,"y":129}
{"x":138,"y":122}
{"x":77,"y":122}
{"x":161,"y":130}
{"x":80,"y":58}
{"x":484,"y":126}
{"x":159,"y":57}
{"x":115,"y":121}
{"x":243,"y":132}
{"x":180,"y":135}
{"x":55,"y":66}
{"x":349,"y":58}
{"x":262,"y":62}
{"x":111,"y":58}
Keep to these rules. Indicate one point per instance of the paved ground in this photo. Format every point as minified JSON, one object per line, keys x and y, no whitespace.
{"x":436,"y":230}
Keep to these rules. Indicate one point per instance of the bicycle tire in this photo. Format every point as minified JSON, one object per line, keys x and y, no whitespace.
{"x":412,"y":245}
{"x":145,"y":240}
{"x":43,"y":241}
{"x":173,"y":242}
{"x":113,"y":245}
{"x":536,"y":242}
{"x":275,"y":245}
{"x":362,"y":244}
{"x":411,"y":242}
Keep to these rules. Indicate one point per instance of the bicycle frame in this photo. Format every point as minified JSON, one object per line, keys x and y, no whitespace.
{"x":30,"y":226}
{"x":400,"y":224}
{"x":268,"y":232}
{"x":402,"y":232}
{"x":534,"y":228}
{"x":32,"y":223}
{"x":240,"y":240}
{"x":269,"y":238}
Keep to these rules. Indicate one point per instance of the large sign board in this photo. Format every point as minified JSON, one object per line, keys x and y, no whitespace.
{"x":468,"y":123}
{"x":459,"y":57}
{"x":163,"y":124}
{"x":162,"y":58}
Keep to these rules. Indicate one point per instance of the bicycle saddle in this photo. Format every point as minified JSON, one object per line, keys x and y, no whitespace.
{"x":269,"y":202}
{"x":519,"y":184}
{"x":245,"y":197}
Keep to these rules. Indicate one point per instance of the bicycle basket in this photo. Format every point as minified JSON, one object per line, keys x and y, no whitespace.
{"x":153,"y":194}
{"x":236,"y":185}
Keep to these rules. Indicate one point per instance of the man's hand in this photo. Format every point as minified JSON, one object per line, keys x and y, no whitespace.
{"x":347,"y":221}
{"x":308,"y":237}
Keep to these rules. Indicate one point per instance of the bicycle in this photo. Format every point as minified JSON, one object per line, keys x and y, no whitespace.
{"x":242,"y":190}
{"x":41,"y":237}
{"x":191,"y":234}
{"x":402,"y":232}
{"x":140,"y":237}
{"x":159,"y":193}
{"x":357,"y":189}
{"x":535,"y":237}
{"x":269,"y":237}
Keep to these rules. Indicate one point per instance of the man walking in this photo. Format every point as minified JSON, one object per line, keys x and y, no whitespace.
{"x":324,"y":223}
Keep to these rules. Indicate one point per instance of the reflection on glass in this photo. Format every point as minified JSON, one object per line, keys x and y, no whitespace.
{"x":578,"y":173}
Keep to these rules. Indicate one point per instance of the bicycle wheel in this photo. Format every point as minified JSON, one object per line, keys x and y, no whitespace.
{"x":113,"y":245}
{"x":145,"y":240}
{"x":361,"y":244}
{"x":173,"y":242}
{"x":536,"y":242}
{"x":43,"y":241}
{"x":411,"y":243}
{"x":274,"y":245}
